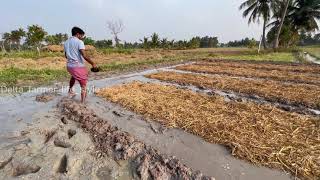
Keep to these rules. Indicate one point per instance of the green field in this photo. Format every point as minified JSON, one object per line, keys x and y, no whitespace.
{"x":282,"y":56}
{"x":49,"y":67}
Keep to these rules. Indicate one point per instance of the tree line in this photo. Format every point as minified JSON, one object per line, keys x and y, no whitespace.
{"x":35,"y":37}
{"x":155,"y":41}
{"x":246,"y":42}
{"x":285,"y":22}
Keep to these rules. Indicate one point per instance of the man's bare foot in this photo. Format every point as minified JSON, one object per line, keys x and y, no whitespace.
{"x":71,"y":94}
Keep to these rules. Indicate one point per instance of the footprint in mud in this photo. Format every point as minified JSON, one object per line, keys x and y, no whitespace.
{"x":71,"y":133}
{"x":5,"y":162}
{"x":104,"y":173}
{"x":48,"y":135}
{"x":23,"y":169}
{"x":117,"y":113}
{"x":62,"y":165}
{"x":64,"y":120}
{"x":61,"y":143}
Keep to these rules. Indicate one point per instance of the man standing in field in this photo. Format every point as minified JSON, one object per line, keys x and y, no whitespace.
{"x":75,"y":53}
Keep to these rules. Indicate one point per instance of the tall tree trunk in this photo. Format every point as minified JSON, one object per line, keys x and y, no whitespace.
{"x":117,"y":41}
{"x":264,"y":34}
{"x":19,"y":45}
{"x":276,"y":42}
{"x":38,"y":49}
{"x":3,"y":47}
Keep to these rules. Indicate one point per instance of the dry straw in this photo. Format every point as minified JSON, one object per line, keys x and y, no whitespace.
{"x":275,"y":91}
{"x":253,"y":73}
{"x":264,"y":65}
{"x":261,"y":134}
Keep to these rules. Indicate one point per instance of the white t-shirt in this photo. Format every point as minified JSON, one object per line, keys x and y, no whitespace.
{"x":72,"y":49}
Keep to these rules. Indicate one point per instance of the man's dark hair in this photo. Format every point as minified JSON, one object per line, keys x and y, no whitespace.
{"x":76,"y":30}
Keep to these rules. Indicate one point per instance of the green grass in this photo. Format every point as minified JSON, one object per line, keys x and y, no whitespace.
{"x":108,"y":51}
{"x":15,"y":77}
{"x":281,"y":56}
{"x":120,"y":66}
{"x":20,"y":77}
{"x":29,"y":54}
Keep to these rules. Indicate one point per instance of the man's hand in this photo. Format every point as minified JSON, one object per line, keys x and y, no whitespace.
{"x":94,"y":65}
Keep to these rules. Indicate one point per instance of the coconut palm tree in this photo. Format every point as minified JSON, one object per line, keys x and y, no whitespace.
{"x":258,"y":9}
{"x":300,"y":16}
{"x":283,"y":17}
{"x":304,"y":14}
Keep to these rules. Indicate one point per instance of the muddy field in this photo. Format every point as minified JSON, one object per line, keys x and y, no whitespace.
{"x":254,"y":132}
{"x":259,"y":133}
{"x":169,"y":124}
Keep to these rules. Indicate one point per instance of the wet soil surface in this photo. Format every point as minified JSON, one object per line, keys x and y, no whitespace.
{"x":50,"y":149}
{"x":120,"y":136}
{"x":46,"y":97}
{"x":147,"y":162}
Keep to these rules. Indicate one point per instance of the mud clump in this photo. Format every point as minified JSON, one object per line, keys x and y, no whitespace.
{"x":61,"y":143}
{"x":23,"y":169}
{"x":147,"y":162}
{"x":5,"y":162}
{"x":46,"y":97}
{"x":48,"y":135}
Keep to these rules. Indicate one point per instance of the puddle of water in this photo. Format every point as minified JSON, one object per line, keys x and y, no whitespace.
{"x":310,"y":58}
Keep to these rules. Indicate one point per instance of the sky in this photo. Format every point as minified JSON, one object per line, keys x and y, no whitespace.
{"x":173,"y":19}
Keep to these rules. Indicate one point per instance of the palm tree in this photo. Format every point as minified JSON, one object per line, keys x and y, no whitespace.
{"x":7,"y":37}
{"x":258,"y":9}
{"x":16,"y":36}
{"x":155,"y":40}
{"x":283,"y":17}
{"x":304,"y":14}
{"x":145,"y":42}
{"x":300,"y":16}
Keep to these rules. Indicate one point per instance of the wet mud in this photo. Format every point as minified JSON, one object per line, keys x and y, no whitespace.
{"x":120,"y":145}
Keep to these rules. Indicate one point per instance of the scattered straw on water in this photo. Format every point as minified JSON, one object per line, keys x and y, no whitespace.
{"x":261,"y":134}
{"x":275,"y":91}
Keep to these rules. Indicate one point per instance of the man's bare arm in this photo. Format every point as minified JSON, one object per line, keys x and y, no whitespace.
{"x":87,"y":58}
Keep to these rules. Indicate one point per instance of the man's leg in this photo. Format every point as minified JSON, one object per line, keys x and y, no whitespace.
{"x":83,"y":84}
{"x":71,"y":84}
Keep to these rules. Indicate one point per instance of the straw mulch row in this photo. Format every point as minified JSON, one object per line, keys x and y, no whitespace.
{"x":261,"y":134}
{"x":274,"y":91}
{"x":253,"y":73}
{"x":265,"y":65}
